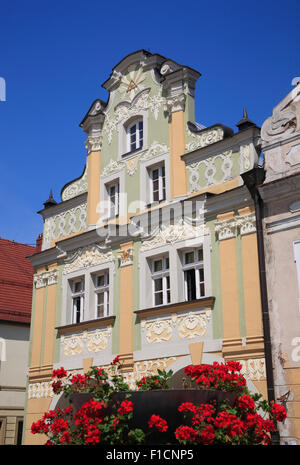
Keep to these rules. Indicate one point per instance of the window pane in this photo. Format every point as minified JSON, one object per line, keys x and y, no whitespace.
{"x":201,"y":274}
{"x":168,"y":296}
{"x":202,"y":290}
{"x":78,"y":286}
{"x":155,"y":174}
{"x":100,"y":280}
{"x":167,"y":263}
{"x":19,"y":432}
{"x":100,"y":298}
{"x":100,"y":311}
{"x":76,"y":309}
{"x":189,"y":257}
{"x":158,"y":265}
{"x":200,"y":255}
{"x":158,"y":285}
{"x":158,"y":298}
{"x":190,"y":284}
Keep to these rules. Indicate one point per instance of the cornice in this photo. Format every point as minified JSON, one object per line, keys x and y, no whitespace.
{"x":240,"y":138}
{"x":204,"y":302}
{"x":86,"y":325}
{"x":63,"y":206}
{"x":278,"y":189}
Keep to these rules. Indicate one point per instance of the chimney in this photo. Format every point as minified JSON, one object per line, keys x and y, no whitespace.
{"x":38,"y":242}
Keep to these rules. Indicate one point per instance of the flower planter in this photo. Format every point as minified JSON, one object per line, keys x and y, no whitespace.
{"x":164,"y":403}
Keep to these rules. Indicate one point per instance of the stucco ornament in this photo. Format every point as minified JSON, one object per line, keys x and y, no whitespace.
{"x":173,"y":233}
{"x":125,"y":110}
{"x":87,"y":256}
{"x":283,"y":121}
{"x":76,"y":188}
{"x":203,"y":139}
{"x":132,"y":83}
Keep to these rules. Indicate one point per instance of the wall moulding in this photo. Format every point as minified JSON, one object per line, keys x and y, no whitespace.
{"x":45,"y":279}
{"x":87,"y":256}
{"x":228,"y":228}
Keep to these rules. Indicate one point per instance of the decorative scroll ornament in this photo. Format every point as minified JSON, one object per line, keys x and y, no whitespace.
{"x":245,"y":158}
{"x":45,"y":279}
{"x":254,"y":369}
{"x":193,"y":325}
{"x":93,"y":142}
{"x":174,"y":233}
{"x":131,"y":165}
{"x":76,"y":188}
{"x":87,"y":256}
{"x":203,"y":139}
{"x":283,"y":121}
{"x":73,"y":345}
{"x":175,"y":103}
{"x":40,"y":390}
{"x":154,"y":150}
{"x":226,"y":229}
{"x":246,"y":223}
{"x":158,"y":331}
{"x":112,"y":167}
{"x":126,"y":257}
{"x":125,"y":110}
{"x":64,"y":223}
{"x":98,"y":340}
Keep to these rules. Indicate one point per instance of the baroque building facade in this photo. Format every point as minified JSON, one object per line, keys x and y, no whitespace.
{"x":152,"y":252}
{"x":279,"y":193}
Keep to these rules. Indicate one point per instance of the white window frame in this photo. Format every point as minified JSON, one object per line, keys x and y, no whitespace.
{"x":77,"y":295}
{"x":161,"y":183}
{"x":163,"y":274}
{"x":114,"y":208}
{"x":146,"y":167}
{"x":139,"y":141}
{"x":296,"y":248}
{"x":104,"y":289}
{"x":196,"y":265}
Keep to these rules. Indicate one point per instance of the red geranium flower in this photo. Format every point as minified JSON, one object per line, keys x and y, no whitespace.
{"x":158,"y":422}
{"x":125,"y":407}
{"x":115,"y":360}
{"x":278,"y":412}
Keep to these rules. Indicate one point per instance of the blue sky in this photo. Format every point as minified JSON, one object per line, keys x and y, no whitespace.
{"x":55,"y":55}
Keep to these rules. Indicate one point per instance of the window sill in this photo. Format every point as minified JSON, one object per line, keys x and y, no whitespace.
{"x":84,"y":325}
{"x":203,"y":303}
{"x":132,"y":152}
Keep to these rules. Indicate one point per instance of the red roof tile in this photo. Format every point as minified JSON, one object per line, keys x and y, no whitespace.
{"x":16,"y":276}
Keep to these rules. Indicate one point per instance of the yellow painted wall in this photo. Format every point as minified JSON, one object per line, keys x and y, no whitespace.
{"x":93,"y":161}
{"x":36,"y":347}
{"x":229,"y":284}
{"x":50,"y":325}
{"x":252,"y":302}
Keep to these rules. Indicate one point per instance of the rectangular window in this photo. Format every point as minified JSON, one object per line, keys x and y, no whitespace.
{"x":102,"y":294}
{"x":136,"y":136}
{"x":19,"y":431}
{"x":113,"y":197}
{"x":161,"y":281}
{"x":77,"y":289}
{"x":157,"y":184}
{"x":193,"y":271}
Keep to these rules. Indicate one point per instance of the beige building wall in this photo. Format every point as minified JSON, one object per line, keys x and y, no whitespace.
{"x":280,"y":194}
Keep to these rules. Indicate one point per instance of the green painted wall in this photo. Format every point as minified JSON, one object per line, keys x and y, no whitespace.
{"x":216,"y":283}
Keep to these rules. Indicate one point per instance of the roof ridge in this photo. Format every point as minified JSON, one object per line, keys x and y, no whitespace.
{"x":17,"y":243}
